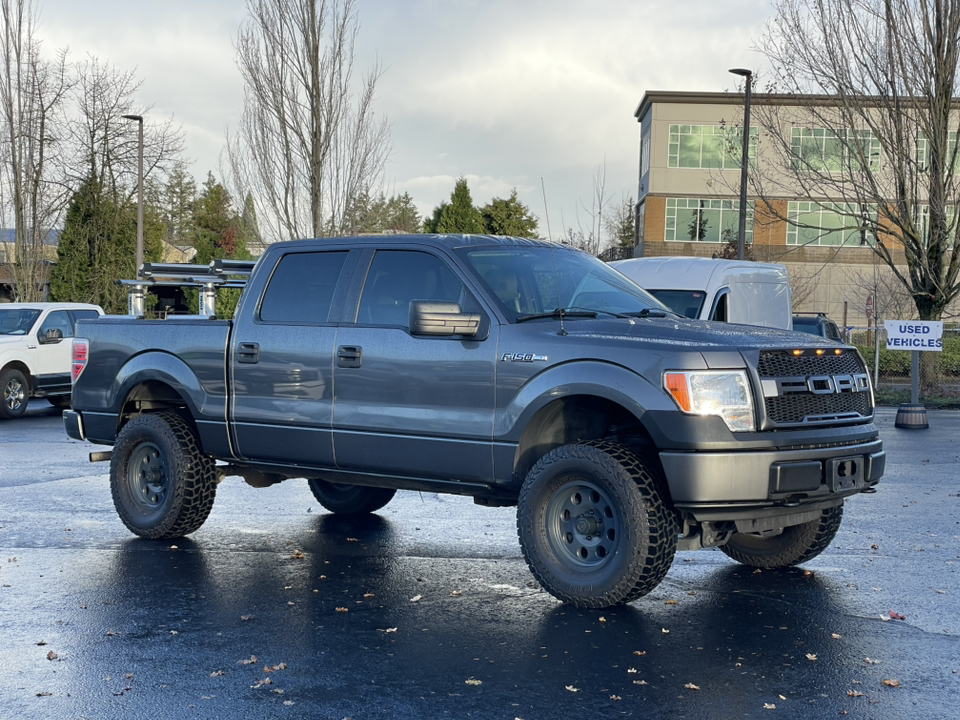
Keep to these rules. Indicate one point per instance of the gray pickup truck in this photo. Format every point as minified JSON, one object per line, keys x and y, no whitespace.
{"x":517,"y":372}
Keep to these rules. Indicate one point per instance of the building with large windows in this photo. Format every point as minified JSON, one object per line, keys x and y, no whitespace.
{"x":689,"y":187}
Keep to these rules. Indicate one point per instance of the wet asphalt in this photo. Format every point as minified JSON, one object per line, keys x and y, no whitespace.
{"x":274,"y":609}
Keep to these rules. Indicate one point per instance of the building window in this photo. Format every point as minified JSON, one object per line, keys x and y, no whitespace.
{"x":831,"y":224}
{"x":834,"y":150}
{"x":923,"y":151}
{"x":641,"y":223}
{"x":645,"y":154}
{"x":708,"y":146}
{"x":706,"y":220}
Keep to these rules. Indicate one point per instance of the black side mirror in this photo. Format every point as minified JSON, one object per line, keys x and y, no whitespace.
{"x":53,"y":335}
{"x":442,"y":319}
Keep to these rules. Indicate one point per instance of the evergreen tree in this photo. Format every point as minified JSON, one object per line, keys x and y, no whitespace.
{"x":179,"y":195}
{"x":509,"y":217}
{"x":402,"y":215}
{"x":457,"y":216}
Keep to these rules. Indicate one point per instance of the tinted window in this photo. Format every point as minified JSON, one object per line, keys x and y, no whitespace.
{"x":57,"y":320}
{"x":396,"y":278}
{"x":301,"y":288}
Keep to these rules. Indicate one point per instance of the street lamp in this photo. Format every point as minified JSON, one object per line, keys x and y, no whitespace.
{"x":139,"y":119}
{"x":744,"y":159}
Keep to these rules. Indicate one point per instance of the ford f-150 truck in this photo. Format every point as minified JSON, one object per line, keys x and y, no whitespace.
{"x":35,"y":353}
{"x":518,"y":372}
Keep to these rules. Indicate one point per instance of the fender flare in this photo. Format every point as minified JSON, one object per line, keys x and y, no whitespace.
{"x":170,"y":370}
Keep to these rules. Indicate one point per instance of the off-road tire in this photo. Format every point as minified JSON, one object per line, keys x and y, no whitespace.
{"x":163,"y":486}
{"x":350,"y":499}
{"x":595,"y":525}
{"x":792,"y":546}
{"x":14,"y":394}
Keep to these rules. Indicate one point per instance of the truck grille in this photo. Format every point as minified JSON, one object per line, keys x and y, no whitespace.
{"x":812,"y":388}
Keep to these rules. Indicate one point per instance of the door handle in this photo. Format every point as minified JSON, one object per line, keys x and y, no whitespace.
{"x":349,"y":356}
{"x":248,"y":353}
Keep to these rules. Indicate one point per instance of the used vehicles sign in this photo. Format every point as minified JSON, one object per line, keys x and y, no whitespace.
{"x":914,"y":335}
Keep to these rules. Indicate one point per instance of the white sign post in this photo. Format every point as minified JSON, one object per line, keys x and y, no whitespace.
{"x":916,"y":336}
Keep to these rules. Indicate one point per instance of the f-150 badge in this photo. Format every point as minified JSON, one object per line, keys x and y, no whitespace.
{"x":522,"y":357}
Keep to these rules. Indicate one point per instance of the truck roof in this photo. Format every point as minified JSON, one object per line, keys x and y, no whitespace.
{"x":695,"y":273}
{"x":449,"y":240}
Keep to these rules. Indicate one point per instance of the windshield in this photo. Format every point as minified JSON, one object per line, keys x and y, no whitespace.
{"x":533,"y":282}
{"x":683,"y":302}
{"x":17,"y":321}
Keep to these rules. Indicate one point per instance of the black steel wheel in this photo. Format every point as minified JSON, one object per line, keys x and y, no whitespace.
{"x":594,"y":524}
{"x":791,"y":546}
{"x":14,"y":393}
{"x":349,"y":499}
{"x":163,"y":486}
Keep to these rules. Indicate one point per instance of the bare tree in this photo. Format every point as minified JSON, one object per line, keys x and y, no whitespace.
{"x":866,"y":125}
{"x":308,"y":142}
{"x":105,"y":145}
{"x":33,"y":92}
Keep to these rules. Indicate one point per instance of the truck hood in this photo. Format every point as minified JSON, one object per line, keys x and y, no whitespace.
{"x":683,"y":333}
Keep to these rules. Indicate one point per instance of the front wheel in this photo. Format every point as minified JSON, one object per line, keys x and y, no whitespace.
{"x":350,"y":499}
{"x":163,"y":486}
{"x":594,"y":524}
{"x":13,"y":393}
{"x":791,"y":546}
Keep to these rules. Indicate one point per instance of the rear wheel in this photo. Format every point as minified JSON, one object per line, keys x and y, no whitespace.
{"x":594,"y":524}
{"x":163,"y":486}
{"x":791,"y":546}
{"x":14,"y":391}
{"x":349,"y":499}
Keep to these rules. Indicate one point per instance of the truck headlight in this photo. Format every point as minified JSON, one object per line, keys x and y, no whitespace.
{"x":714,"y":392}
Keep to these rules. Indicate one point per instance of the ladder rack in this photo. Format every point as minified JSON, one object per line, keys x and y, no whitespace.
{"x":207,"y":278}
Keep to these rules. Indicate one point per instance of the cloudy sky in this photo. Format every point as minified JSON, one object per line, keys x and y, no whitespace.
{"x":508,"y":93}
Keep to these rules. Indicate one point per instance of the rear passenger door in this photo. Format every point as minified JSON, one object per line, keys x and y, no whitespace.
{"x":409,"y":405}
{"x":282,"y":361}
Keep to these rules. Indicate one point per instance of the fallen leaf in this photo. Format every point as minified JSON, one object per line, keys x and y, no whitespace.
{"x":52,"y":655}
{"x":671,"y":602}
{"x":641,"y":653}
{"x":274,"y":668}
{"x":691,"y":686}
{"x":251,"y":661}
{"x":854,"y":693}
{"x":631,"y":670}
{"x":455,"y":593}
{"x":416,"y":598}
{"x":871,"y":662}
{"x":217,"y":673}
{"x":368,"y":595}
{"x":246,"y":617}
{"x":389,"y":630}
{"x":42,"y":643}
{"x":298,"y":555}
{"x":352,"y":540}
{"x":571,"y":688}
{"x":639,"y":682}
{"x":601,"y":619}
{"x":343,"y":609}
{"x":664,"y":631}
{"x":616,"y":697}
{"x":769,"y":706}
{"x":44,"y":694}
{"x":891,"y":683}
{"x":897,"y":616}
{"x":836,"y":636}
{"x":174,"y":632}
{"x":289,"y":702}
{"x":110,"y":633}
{"x":472,"y":681}
{"x":811,"y":656}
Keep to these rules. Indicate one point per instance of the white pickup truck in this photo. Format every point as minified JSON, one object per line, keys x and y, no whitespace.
{"x":36,"y":345}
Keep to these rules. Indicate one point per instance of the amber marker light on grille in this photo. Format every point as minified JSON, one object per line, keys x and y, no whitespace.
{"x":820,"y":351}
{"x":798,"y":352}
{"x":677,"y":386}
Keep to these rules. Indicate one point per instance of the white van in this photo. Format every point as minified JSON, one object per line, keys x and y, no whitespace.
{"x":733,"y":291}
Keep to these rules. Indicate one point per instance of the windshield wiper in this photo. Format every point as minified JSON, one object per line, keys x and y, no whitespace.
{"x":558,"y":313}
{"x":647,"y":312}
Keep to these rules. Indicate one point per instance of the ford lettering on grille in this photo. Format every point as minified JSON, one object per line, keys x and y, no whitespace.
{"x":816,"y":384}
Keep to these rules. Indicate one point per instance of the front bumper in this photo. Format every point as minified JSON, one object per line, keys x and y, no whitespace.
{"x":709,"y":481}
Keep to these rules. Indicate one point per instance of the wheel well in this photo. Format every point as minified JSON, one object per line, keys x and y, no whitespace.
{"x":580,"y":418}
{"x":17,"y":365}
{"x":151,"y":396}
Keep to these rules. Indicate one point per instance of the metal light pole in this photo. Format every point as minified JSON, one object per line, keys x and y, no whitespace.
{"x":139,"y":119}
{"x":744,"y":161}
